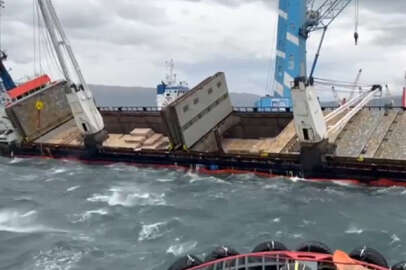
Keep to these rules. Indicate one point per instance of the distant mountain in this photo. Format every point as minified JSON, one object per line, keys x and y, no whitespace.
{"x":123,"y":96}
{"x":144,"y":96}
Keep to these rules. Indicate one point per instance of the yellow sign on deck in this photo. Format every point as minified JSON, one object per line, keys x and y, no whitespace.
{"x":39,"y":105}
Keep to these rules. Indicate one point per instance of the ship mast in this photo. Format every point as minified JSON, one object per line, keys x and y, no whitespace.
{"x":171,"y":76}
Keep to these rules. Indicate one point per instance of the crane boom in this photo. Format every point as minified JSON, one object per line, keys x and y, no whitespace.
{"x":86,"y":115}
{"x":322,"y":17}
{"x":355,"y":84}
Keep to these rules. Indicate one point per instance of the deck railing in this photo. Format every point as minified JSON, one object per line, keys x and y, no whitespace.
{"x":235,"y":109}
{"x":279,"y":260}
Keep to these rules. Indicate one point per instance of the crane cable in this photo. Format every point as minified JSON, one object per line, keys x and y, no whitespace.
{"x":34,"y":35}
{"x":270,"y":79}
{"x":44,"y":55}
{"x":2,"y":6}
{"x":356,"y":35}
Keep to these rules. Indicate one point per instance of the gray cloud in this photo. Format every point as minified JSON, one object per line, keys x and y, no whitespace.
{"x":125,"y":42}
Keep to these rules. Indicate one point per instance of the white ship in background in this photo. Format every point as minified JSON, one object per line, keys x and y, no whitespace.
{"x":170,"y":89}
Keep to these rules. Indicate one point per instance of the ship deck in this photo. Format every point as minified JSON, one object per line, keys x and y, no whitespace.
{"x":370,"y":148}
{"x":373,"y":133}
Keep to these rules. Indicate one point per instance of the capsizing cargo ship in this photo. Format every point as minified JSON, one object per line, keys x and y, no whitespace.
{"x":201,"y":130}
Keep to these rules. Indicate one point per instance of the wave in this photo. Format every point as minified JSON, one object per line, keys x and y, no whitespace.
{"x":72,"y":188}
{"x":128,"y":198}
{"x":276,"y":220}
{"x":182,"y":248}
{"x":58,"y":170}
{"x":166,"y":180}
{"x":152,"y":231}
{"x":354,"y":230}
{"x":54,"y":179}
{"x":394,"y":238}
{"x":58,"y":258}
{"x":210,"y":179}
{"x":16,"y":160}
{"x":157,"y":230}
{"x":88,"y":215}
{"x":344,"y":183}
{"x":296,"y":179}
{"x":14,"y":221}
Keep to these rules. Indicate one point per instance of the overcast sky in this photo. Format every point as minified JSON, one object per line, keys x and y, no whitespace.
{"x":126,"y":42}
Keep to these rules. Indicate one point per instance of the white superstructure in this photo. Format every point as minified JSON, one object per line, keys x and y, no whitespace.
{"x":170,"y":89}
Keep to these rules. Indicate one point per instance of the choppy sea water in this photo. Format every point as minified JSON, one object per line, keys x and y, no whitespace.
{"x":68,"y":215}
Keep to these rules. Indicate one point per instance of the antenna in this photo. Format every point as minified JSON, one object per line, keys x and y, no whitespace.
{"x":170,"y":77}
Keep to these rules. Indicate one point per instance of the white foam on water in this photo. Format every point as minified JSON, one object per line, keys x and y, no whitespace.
{"x":197,"y":178}
{"x":29,"y":213}
{"x":58,"y":259}
{"x":72,"y":188}
{"x":394,"y":238}
{"x":101,"y":212}
{"x":165,"y":180}
{"x":128,"y":197}
{"x":296,"y":179}
{"x":193,"y":177}
{"x":14,"y":221}
{"x":354,"y":230}
{"x":83,"y":237}
{"x":343,"y":183}
{"x":278,"y":186}
{"x":151,"y":231}
{"x":276,"y":220}
{"x":334,"y":191}
{"x":98,"y":198}
{"x":16,"y":160}
{"x":182,"y":248}
{"x":245,"y":176}
{"x":88,"y":215}
{"x":217,"y":195}
{"x":307,"y":223}
{"x":389,"y":190}
{"x":54,"y":179}
{"x":59,"y":171}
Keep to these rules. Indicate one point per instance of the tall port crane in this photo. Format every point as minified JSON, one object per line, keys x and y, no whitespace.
{"x":86,"y":115}
{"x":297,"y":19}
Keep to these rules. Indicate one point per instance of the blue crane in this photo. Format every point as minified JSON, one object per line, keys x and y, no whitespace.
{"x":4,"y":74}
{"x":297,"y":19}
